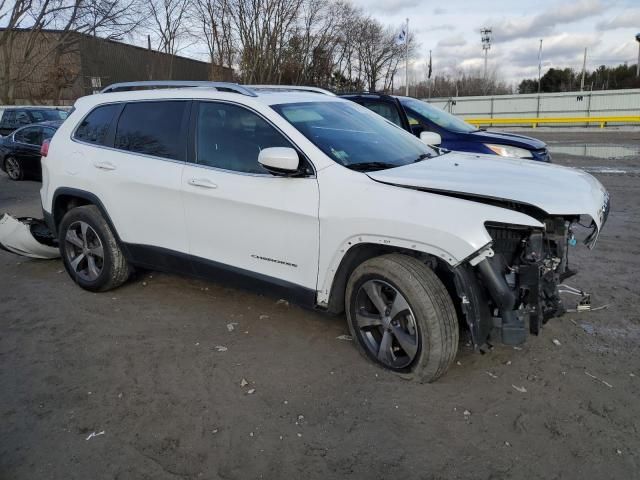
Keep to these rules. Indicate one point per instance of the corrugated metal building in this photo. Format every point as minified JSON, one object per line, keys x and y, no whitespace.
{"x":85,"y":64}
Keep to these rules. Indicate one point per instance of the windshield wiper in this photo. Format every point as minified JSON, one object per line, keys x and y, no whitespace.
{"x":422,"y":157}
{"x":366,"y":166}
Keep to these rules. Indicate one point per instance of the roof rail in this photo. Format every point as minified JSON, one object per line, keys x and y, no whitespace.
{"x":292,"y":88}
{"x":151,"y":84}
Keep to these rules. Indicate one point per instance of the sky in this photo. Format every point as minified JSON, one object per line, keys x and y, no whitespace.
{"x":451,"y":30}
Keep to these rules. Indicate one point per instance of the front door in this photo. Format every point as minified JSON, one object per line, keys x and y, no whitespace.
{"x":239,"y":216}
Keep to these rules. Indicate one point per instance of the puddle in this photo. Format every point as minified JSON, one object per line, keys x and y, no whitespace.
{"x":595,"y":150}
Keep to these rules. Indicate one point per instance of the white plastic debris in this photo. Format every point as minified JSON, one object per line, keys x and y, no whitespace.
{"x":556,"y":342}
{"x":598,"y":379}
{"x":251,"y":391}
{"x":263,"y":317}
{"x":94,"y":434}
{"x":492,"y":375}
{"x":519,"y":389}
{"x":221,"y":348}
{"x":244,"y":383}
{"x":348,"y":338}
{"x":231,"y":326}
{"x":466,"y":413}
{"x":16,"y":235}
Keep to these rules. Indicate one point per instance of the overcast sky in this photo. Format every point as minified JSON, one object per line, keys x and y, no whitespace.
{"x":451,"y":29}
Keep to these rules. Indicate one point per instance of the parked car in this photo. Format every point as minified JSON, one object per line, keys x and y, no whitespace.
{"x":15,"y":117}
{"x":417,"y":117}
{"x":20,"y":151}
{"x":319,"y":200}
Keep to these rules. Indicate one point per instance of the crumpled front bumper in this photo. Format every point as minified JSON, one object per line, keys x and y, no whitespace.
{"x":27,"y":236}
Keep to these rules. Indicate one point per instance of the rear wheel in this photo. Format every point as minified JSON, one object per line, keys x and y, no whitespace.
{"x":401,"y":317}
{"x":14,"y":169}
{"x":90,"y":251}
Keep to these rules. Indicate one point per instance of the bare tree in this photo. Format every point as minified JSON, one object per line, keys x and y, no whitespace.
{"x":212,"y":20}
{"x":28,"y":52}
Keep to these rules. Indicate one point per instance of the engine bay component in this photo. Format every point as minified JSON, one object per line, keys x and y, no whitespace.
{"x":28,"y":237}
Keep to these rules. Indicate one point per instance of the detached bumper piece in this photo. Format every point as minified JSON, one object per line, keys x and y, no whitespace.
{"x":28,"y":237}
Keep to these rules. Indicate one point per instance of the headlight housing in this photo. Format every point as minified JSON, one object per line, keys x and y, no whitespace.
{"x":509,"y":151}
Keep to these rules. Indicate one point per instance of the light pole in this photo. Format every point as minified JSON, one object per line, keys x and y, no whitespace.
{"x":485,"y":36}
{"x":638,"y":64}
{"x":539,"y":65}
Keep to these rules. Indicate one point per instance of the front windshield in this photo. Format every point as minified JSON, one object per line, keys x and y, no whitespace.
{"x":353,"y":136}
{"x":417,"y":108}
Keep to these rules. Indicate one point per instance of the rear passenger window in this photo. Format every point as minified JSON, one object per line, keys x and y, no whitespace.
{"x":95,"y":126}
{"x":153,"y":128}
{"x":231,"y":137}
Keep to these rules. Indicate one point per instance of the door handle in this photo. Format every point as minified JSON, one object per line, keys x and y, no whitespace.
{"x":104,"y":165}
{"x":202,"y":182}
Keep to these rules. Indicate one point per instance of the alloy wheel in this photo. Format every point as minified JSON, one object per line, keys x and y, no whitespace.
{"x":386,"y":324}
{"x":13,"y":168}
{"x":84,"y":251}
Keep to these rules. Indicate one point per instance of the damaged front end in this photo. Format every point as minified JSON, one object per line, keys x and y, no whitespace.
{"x":517,"y":276}
{"x":27,"y":236}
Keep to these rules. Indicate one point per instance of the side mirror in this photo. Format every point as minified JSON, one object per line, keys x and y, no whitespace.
{"x":279,"y":160}
{"x":430,"y":138}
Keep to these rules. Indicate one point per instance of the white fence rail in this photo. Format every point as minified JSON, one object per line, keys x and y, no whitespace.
{"x":604,"y":103}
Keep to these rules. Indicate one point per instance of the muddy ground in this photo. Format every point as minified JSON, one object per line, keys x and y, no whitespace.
{"x":141,"y":364}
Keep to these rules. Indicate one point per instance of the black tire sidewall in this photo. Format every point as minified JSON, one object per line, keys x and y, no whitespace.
{"x":80,"y":214}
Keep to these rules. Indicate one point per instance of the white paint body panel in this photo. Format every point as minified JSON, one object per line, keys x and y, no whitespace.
{"x":555,"y":189}
{"x":307,"y":222}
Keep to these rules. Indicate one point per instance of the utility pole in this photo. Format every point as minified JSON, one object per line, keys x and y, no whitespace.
{"x":584,"y":68}
{"x":539,"y":65}
{"x":638,"y":64}
{"x":406,"y":62}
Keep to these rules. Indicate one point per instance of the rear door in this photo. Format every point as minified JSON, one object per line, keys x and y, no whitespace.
{"x":239,"y":216}
{"x":136,"y":173}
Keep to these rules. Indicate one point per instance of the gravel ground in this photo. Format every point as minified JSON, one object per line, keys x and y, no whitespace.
{"x":143,"y":364}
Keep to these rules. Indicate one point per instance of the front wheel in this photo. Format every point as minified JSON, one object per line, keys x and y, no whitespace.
{"x":402,"y":317}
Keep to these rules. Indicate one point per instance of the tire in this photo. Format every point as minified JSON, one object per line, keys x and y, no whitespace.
{"x":426,"y":321}
{"x":14,"y":169}
{"x":84,"y":233}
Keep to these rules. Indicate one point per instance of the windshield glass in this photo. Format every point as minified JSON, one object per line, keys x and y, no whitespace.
{"x":423,"y":111}
{"x":353,"y":136}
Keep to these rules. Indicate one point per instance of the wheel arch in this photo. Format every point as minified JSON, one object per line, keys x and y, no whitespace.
{"x":332,"y":297}
{"x":64,"y":199}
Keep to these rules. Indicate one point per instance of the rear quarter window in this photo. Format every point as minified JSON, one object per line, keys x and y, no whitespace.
{"x":95,"y":126}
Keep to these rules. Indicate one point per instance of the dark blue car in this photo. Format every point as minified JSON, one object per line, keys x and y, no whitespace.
{"x":417,"y":116}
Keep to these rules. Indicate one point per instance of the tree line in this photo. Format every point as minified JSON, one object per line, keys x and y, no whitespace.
{"x":570,"y":80}
{"x":328,"y":43}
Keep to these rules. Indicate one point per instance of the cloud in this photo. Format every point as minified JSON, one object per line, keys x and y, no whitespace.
{"x":453,"y":41}
{"x":629,"y":18}
{"x":393,"y":6}
{"x":439,"y":11}
{"x":545,"y":22}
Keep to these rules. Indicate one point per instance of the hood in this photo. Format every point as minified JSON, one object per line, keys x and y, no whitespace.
{"x":554,"y":189}
{"x":509,"y":139}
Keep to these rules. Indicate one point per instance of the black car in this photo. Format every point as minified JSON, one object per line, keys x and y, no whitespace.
{"x":20,"y":151}
{"x":417,"y":116}
{"x":16,"y":117}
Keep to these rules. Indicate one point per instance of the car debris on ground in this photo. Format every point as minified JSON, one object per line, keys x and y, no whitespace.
{"x":28,"y":237}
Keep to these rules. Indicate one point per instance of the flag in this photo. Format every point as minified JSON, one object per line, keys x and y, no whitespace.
{"x":401,"y":38}
{"x":430,"y":66}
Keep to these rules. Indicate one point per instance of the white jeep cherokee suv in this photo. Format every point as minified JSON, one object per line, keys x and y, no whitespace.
{"x":322,"y":201}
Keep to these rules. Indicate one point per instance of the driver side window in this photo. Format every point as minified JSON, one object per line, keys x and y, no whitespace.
{"x":231,"y":137}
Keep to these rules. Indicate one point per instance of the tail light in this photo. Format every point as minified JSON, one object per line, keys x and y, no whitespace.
{"x":44,"y":149}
